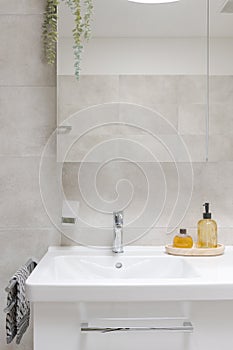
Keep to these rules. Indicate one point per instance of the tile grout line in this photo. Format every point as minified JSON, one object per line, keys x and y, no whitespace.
{"x":28,"y":86}
{"x":2,"y":229}
{"x":22,"y":14}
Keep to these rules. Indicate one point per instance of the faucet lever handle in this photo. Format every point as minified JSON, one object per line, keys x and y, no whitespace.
{"x":118,"y":217}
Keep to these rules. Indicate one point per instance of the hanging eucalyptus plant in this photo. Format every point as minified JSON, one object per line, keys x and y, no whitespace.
{"x":82,"y":11}
{"x":49,"y":31}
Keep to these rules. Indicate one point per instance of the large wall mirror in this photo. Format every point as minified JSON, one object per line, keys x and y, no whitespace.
{"x":134,"y":124}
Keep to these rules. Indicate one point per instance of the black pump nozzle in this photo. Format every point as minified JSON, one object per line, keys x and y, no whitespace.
{"x":206,"y":215}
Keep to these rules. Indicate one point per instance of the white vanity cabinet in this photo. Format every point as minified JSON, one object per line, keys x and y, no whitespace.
{"x":81,"y":301}
{"x":57,"y":326}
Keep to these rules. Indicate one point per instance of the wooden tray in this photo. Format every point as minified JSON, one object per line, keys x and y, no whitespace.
{"x":194,"y":251}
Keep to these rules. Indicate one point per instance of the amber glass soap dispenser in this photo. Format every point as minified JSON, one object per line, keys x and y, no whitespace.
{"x":182,"y":240}
{"x":207,"y":230}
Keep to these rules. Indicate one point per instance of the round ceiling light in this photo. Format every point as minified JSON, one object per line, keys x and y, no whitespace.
{"x":153,"y":1}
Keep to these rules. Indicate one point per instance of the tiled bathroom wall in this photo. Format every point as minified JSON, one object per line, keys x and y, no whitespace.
{"x":28,"y":116}
{"x":181,"y":100}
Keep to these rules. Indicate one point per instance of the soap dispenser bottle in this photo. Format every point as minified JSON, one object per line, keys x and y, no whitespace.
{"x":182,"y":240}
{"x":207,"y":230}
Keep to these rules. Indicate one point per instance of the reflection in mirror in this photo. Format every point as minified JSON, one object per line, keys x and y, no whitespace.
{"x":132,"y":130}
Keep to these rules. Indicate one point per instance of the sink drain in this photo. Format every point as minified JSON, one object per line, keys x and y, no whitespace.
{"x":118,"y":265}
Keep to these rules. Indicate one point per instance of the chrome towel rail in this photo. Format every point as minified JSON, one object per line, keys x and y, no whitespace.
{"x":187,"y":327}
{"x":30,"y":264}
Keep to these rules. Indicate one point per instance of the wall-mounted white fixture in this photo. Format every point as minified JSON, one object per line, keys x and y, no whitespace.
{"x":153,"y":1}
{"x":69,"y":212}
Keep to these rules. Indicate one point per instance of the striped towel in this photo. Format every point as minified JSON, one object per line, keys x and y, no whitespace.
{"x":17,"y":319}
{"x":11,"y":328}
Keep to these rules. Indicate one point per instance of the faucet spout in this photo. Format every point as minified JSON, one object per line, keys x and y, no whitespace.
{"x":118,"y":232}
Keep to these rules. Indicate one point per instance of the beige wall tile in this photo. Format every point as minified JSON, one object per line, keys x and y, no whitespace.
{"x":75,"y":95}
{"x":221,"y":89}
{"x":221,"y":120}
{"x":21,"y":63}
{"x":92,"y":147}
{"x":196,"y":146}
{"x":220,"y":148}
{"x":191,"y":89}
{"x":148,"y":90}
{"x":155,"y":236}
{"x":103,"y":237}
{"x":22,"y":6}
{"x":90,"y":237}
{"x":29,"y":243}
{"x":21,"y":204}
{"x":162,"y":148}
{"x":28,"y":117}
{"x":89,"y":129}
{"x":213,"y":183}
{"x":146,"y":191}
{"x":96,"y":147}
{"x":225,"y":235}
{"x":158,"y":236}
{"x":162,"y":119}
{"x":192,"y":119}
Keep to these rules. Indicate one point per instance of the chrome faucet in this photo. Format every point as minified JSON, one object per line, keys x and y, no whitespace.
{"x":118,"y":232}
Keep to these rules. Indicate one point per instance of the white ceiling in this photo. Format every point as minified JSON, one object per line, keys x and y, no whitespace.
{"x":120,"y":18}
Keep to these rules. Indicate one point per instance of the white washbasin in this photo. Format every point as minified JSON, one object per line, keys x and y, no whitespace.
{"x":74,"y":274}
{"x":121,"y":267}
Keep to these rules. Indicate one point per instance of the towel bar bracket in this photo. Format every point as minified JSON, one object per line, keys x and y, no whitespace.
{"x":30,"y":264}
